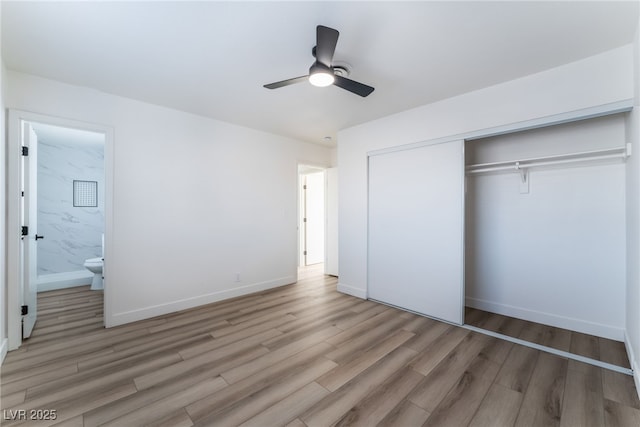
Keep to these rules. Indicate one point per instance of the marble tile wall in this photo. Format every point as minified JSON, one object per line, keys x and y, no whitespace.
{"x":72,"y":234}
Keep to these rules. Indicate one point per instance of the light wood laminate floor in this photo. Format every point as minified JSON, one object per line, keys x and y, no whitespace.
{"x":301,"y":355}
{"x":590,"y":346}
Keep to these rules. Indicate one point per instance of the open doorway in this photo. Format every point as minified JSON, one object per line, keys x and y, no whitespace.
{"x":69,"y":205}
{"x":311,"y":216}
{"x":61,"y":208}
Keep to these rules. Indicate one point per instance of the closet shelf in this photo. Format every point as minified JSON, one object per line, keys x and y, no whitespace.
{"x":579,"y":157}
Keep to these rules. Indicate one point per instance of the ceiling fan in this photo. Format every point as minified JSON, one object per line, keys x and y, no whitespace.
{"x":323,"y":72}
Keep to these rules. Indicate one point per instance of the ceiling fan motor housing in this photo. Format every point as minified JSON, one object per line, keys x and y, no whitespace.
{"x":319,"y":67}
{"x":341,"y":70}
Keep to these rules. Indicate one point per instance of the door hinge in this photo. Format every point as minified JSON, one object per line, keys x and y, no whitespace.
{"x":304,"y":187}
{"x":304,"y":253}
{"x":304,"y":219}
{"x":25,"y":230}
{"x":24,"y":310}
{"x":25,"y":151}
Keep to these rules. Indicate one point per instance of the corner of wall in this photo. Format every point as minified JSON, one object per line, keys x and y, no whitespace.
{"x":350,"y":290}
{"x":3,"y":207}
{"x":632,"y":323}
{"x":334,"y":157}
{"x":633,"y":362}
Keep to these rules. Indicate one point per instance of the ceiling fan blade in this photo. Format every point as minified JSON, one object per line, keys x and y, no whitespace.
{"x":353,"y":86}
{"x":287,"y":82}
{"x":326,"y":40}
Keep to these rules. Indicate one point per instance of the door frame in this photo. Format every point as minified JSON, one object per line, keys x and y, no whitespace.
{"x":14,"y":175}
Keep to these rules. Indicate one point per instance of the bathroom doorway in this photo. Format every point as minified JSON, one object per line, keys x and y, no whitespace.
{"x":60,"y":205}
{"x":70,"y":204}
{"x":311,"y":215}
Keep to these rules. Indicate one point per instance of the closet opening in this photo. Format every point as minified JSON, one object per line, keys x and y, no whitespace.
{"x":545,"y":237}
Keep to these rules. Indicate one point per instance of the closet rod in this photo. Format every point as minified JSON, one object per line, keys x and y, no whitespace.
{"x":612,"y":153}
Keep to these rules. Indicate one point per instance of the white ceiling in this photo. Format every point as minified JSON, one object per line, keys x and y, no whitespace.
{"x":212,"y":58}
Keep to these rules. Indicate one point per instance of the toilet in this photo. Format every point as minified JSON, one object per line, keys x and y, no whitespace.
{"x":94,"y":265}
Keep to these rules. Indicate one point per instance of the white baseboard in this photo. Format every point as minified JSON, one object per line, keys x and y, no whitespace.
{"x":633,"y":362}
{"x":173,"y":306}
{"x":50,"y":282}
{"x":350,"y":290}
{"x":578,"y":325}
{"x":4,"y":347}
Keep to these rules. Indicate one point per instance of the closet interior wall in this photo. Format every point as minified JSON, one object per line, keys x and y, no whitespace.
{"x":551,"y":251}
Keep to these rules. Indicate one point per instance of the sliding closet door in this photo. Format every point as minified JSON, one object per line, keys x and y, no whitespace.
{"x":416,"y":226}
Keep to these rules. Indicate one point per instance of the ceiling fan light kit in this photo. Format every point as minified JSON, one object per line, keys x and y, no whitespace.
{"x":320,"y":75}
{"x":323,"y":72}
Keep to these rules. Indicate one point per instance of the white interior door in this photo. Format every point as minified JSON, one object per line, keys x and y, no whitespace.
{"x":30,"y":220}
{"x":416,"y":230}
{"x":314,"y":215}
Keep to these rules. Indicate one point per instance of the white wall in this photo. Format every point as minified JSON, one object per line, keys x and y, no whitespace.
{"x":331,"y":257}
{"x":594,"y":81}
{"x":633,"y":225}
{"x":195,"y":201}
{"x":555,"y":254}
